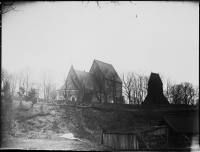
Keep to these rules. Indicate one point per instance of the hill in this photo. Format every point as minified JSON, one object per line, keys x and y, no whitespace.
{"x":50,"y":120}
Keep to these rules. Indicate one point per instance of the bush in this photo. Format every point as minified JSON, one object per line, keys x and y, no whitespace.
{"x":32,"y":96}
{"x":8,"y":122}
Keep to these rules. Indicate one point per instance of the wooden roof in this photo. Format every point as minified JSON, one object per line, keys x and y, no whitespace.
{"x":155,"y":78}
{"x":183,"y":124}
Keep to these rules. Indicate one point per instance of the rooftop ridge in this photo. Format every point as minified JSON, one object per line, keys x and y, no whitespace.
{"x":102,"y":62}
{"x":80,"y":71}
{"x":154,"y":73}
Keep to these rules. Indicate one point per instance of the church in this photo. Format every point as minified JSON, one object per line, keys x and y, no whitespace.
{"x":100,"y":84}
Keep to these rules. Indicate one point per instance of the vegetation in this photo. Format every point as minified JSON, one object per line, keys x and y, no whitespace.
{"x":32,"y":96}
{"x":7,"y":121}
{"x":46,"y":120}
{"x":134,"y":88}
{"x":183,"y":93}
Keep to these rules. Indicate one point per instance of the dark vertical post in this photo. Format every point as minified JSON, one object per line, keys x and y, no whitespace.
{"x":150,"y":139}
{"x":102,"y":131}
{"x":167,"y":136}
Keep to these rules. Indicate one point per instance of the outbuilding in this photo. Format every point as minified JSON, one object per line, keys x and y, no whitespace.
{"x":120,"y":140}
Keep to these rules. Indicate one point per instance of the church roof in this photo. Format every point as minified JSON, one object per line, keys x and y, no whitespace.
{"x":85,"y":77}
{"x":83,"y":74}
{"x":71,"y":87}
{"x":108,"y":70}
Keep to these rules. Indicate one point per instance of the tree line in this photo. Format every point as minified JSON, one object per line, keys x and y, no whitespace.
{"x":183,"y":93}
{"x":134,"y":87}
{"x":22,"y":86}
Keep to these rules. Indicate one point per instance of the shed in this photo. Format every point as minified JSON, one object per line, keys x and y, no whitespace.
{"x":156,"y":137}
{"x":182,"y":125}
{"x":181,"y":130}
{"x":120,"y":140}
{"x":172,"y":132}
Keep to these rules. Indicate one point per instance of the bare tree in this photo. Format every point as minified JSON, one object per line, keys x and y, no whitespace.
{"x":4,"y":77}
{"x":128,"y":85}
{"x":167,"y":92}
{"x":139,"y":88}
{"x":99,"y":4}
{"x":145,"y":85}
{"x":176,"y":94}
{"x":12,"y":79}
{"x":22,"y":80}
{"x":196,"y":95}
{"x":7,"y":7}
{"x":188,"y":92}
{"x":47,"y":82}
{"x":53,"y":93}
{"x":10,"y":6}
{"x":13,"y":83}
{"x":25,"y":79}
{"x":135,"y":91}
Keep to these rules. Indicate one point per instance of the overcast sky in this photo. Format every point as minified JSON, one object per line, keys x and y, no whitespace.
{"x":160,"y":37}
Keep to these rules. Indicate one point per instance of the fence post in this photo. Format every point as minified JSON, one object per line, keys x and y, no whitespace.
{"x":102,"y":131}
{"x":167,"y":136}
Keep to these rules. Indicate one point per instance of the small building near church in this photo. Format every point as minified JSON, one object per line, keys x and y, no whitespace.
{"x":155,"y":91}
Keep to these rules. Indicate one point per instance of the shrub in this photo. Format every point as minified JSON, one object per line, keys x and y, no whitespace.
{"x":7,"y":118}
{"x":32,"y":96}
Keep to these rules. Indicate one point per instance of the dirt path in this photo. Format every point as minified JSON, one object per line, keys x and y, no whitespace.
{"x":46,"y":144}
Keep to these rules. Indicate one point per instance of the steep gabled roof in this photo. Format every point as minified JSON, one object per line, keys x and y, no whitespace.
{"x":183,"y":124}
{"x":108,"y":70}
{"x":76,"y":77}
{"x":85,"y":77}
{"x":73,"y":85}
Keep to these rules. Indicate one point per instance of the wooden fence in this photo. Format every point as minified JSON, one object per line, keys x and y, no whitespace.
{"x":120,"y":140}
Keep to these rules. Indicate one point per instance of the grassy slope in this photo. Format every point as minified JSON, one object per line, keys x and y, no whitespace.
{"x":89,"y":122}
{"x":84,"y":122}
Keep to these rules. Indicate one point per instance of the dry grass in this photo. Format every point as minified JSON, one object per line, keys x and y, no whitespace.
{"x":29,"y":123}
{"x":82,"y":122}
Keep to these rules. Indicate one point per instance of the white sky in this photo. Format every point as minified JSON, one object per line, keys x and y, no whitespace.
{"x":163,"y":38}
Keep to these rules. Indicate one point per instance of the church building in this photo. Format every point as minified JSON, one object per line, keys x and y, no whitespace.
{"x":100,"y":84}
